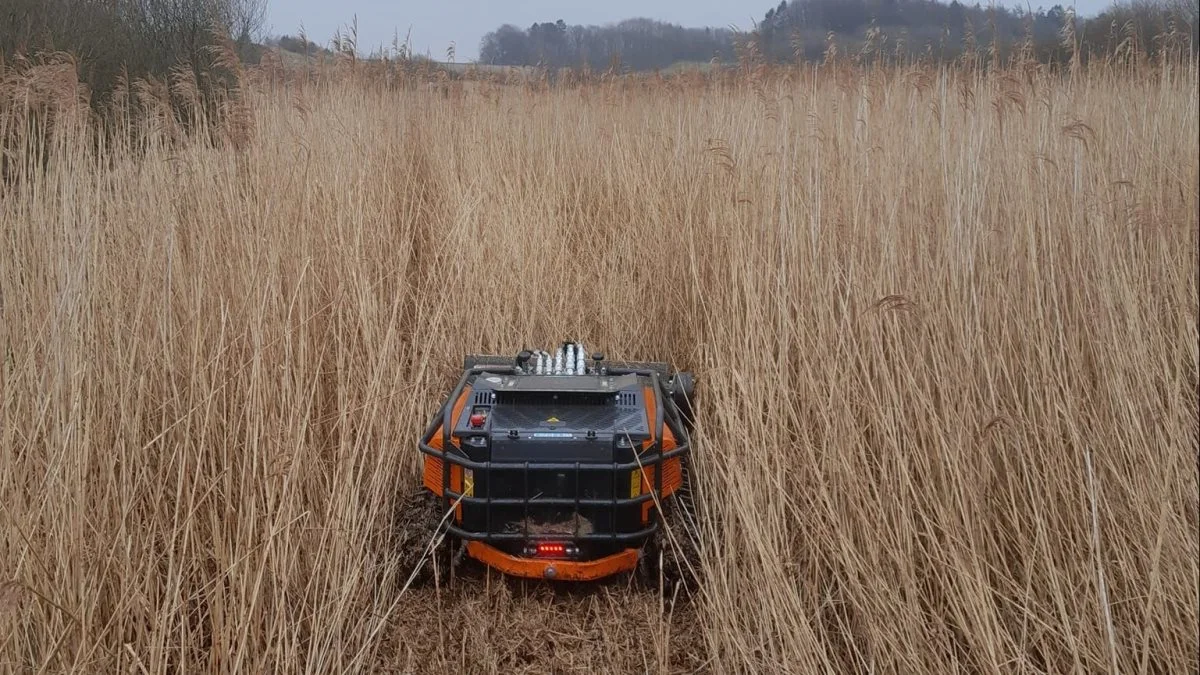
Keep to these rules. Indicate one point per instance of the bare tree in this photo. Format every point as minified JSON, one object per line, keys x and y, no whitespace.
{"x":245,"y":19}
{"x":115,"y":39}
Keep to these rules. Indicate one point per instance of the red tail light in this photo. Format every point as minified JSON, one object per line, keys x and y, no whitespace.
{"x":551,"y":550}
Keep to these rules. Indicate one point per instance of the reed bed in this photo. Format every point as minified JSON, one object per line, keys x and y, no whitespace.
{"x":944,"y":322}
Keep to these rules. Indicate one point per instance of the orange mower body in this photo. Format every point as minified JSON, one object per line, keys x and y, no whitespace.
{"x":558,"y":466}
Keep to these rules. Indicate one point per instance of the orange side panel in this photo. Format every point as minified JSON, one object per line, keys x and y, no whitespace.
{"x":456,"y":485}
{"x":436,"y":441}
{"x":647,"y":488}
{"x":669,"y":442}
{"x":461,"y":402}
{"x":672,"y":475}
{"x":672,"y":472}
{"x":433,"y":475}
{"x":433,"y":465}
{"x":672,"y":479}
{"x":433,"y":480}
{"x":649,"y":400}
{"x":564,"y":570}
{"x":647,"y":479}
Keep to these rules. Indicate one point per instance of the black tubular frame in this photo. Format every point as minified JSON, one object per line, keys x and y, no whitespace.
{"x":653,"y":456}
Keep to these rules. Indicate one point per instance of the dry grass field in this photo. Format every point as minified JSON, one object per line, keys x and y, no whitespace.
{"x":944,"y":324}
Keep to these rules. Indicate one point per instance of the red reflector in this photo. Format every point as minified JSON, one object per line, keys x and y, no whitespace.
{"x":545,"y":549}
{"x":477,"y":420}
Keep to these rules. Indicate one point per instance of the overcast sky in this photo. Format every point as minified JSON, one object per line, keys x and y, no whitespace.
{"x":435,"y":24}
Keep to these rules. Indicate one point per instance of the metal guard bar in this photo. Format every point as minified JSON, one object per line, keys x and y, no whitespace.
{"x":651,"y":460}
{"x":536,"y":536}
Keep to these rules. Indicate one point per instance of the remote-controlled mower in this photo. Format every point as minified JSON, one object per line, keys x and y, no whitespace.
{"x":558,"y":466}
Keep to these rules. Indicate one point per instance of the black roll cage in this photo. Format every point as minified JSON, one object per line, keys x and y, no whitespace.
{"x":652,"y":456}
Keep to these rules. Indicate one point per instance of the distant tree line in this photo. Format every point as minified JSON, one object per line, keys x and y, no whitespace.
{"x":131,"y":39}
{"x":637,"y":44}
{"x":298,"y":45}
{"x":807,"y":29}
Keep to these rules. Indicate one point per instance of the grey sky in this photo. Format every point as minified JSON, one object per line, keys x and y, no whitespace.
{"x":435,"y":24}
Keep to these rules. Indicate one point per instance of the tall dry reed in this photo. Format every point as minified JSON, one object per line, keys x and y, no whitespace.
{"x":944,"y":323}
